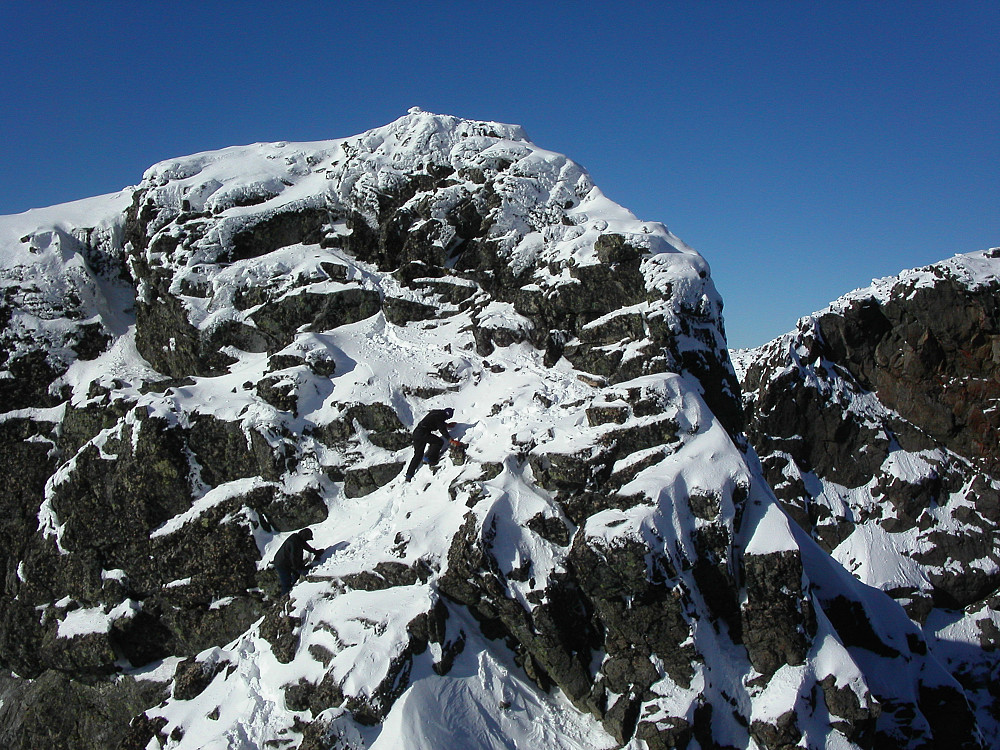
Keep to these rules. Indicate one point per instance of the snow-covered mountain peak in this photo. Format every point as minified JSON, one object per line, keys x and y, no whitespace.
{"x":547,"y":204}
{"x":597,"y":563}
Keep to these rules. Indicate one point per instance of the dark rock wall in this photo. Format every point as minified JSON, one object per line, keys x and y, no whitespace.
{"x":851,"y":389}
{"x":880,"y":412}
{"x":932,"y":354}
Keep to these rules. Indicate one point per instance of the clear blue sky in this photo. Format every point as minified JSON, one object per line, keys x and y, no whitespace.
{"x":802,"y":147}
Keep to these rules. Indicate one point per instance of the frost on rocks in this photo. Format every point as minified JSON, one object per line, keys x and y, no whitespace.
{"x":239,"y":346}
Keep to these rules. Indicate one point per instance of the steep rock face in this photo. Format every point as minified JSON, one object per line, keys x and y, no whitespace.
{"x":238,"y":347}
{"x":877,"y":427}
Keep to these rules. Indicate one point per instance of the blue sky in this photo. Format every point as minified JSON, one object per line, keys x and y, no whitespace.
{"x":802,"y":147}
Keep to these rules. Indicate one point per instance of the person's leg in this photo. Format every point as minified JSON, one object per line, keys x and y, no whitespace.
{"x":418,"y":453}
{"x":434,"y":446}
{"x":285,"y":580}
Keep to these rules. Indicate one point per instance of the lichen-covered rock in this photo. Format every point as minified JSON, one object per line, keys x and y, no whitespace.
{"x":112,"y":500}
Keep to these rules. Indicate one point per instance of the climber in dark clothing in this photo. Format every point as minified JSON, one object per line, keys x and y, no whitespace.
{"x":426,"y":445}
{"x":288,"y":561}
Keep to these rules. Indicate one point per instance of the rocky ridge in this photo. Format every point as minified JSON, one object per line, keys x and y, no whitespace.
{"x":877,"y":426}
{"x":238,"y":346}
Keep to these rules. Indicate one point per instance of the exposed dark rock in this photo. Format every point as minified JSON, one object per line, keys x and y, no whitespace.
{"x":140,"y":731}
{"x":318,"y":312}
{"x":855,"y":721}
{"x":948,"y":712}
{"x":621,"y":717}
{"x":665,"y":734}
{"x":81,"y":424}
{"x":625,"y":441}
{"x":279,"y":391}
{"x":365,"y":480}
{"x":944,"y":331}
{"x":112,"y":504}
{"x":704,"y":505}
{"x":783,"y":734}
{"x":25,"y":463}
{"x":428,"y":627}
{"x":849,"y":452}
{"x":20,"y":637}
{"x":579,"y":506}
{"x":227,"y":451}
{"x":90,"y":655}
{"x":379,"y":421}
{"x":562,"y":471}
{"x":640,"y":617}
{"x":283,"y":362}
{"x":191,"y":677}
{"x":846,"y":399}
{"x":91,"y":341}
{"x":335,"y":271}
{"x":448,"y":290}
{"x":613,"y":622}
{"x":402,"y":311}
{"x":195,"y":627}
{"x":387,"y":575}
{"x":168,"y":341}
{"x":239,"y":336}
{"x":280,"y":630}
{"x":391,"y":441}
{"x":598,"y":415}
{"x":32,"y":374}
{"x":374,"y":417}
{"x":305,"y":696}
{"x":777,"y":619}
{"x":550,"y":528}
{"x":285,"y":512}
{"x":55,"y":711}
{"x":303,"y":225}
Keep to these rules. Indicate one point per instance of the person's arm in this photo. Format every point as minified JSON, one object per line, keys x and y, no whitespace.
{"x":448,"y":438}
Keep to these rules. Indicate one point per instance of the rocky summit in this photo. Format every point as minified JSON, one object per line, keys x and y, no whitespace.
{"x":240,"y":346}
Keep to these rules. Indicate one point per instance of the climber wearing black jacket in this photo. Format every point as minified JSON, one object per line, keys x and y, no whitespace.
{"x":288,"y":560}
{"x":426,"y":445}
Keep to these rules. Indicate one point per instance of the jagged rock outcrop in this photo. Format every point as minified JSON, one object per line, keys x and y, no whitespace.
{"x":876,"y":427}
{"x":238,"y":347}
